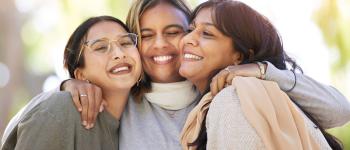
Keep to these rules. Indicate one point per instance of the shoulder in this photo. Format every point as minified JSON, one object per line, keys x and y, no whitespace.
{"x":225,"y":102}
{"x":225,"y":118}
{"x":58,"y":106}
{"x":58,"y":101}
{"x":226,"y":95}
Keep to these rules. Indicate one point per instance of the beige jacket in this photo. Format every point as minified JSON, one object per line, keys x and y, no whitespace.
{"x":266,"y":119}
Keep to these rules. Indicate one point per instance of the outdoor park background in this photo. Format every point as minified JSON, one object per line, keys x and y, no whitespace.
{"x":33,"y":34}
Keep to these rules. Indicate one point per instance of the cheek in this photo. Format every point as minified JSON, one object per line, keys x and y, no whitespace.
{"x":181,"y":44}
{"x":144,"y":48}
{"x":135,"y":55}
{"x":226,"y":59}
{"x":177,"y":42}
{"x":95,"y":63}
{"x":220,"y":56}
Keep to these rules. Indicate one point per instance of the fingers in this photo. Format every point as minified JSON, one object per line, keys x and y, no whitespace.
{"x":229,"y":78}
{"x":85,"y":104}
{"x":218,"y":82}
{"x":70,"y":86}
{"x":87,"y":99}
{"x":221,"y":81}
{"x":245,"y":70}
{"x":97,"y":101}
{"x":91,"y":106}
{"x":76,"y":100}
{"x":103,"y":105}
{"x":213,"y":86}
{"x":226,"y":76}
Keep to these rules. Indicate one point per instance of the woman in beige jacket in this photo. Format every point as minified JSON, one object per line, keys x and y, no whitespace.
{"x":251,"y":113}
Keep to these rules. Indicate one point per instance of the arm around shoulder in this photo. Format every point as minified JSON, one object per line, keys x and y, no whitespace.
{"x":325,"y":103}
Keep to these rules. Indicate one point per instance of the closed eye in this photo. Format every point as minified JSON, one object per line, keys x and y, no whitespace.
{"x":207,"y":33}
{"x":146,"y":36}
{"x":101,"y":49}
{"x":175,"y":33}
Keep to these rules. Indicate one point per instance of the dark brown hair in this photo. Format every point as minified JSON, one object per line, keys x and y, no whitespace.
{"x":133,"y":22}
{"x":256,"y":39}
{"x":74,"y":54}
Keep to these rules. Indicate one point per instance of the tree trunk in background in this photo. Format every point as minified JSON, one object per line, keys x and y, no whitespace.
{"x":11,"y":54}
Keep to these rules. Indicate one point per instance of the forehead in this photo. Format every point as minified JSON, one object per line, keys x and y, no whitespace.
{"x":204,"y":16}
{"x":105,"y":29}
{"x":162,"y":14}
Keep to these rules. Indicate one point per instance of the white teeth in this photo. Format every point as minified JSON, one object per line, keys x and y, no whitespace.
{"x":116,"y":70}
{"x":162,"y":58}
{"x":191,"y":56}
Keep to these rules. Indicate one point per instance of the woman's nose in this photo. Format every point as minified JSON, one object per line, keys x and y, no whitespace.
{"x":160,"y":42}
{"x":117,"y":52}
{"x":190,"y":39}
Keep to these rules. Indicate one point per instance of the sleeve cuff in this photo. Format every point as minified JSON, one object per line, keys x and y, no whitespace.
{"x":284,"y":78}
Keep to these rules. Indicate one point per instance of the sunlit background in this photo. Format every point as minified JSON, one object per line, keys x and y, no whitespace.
{"x":33,"y":34}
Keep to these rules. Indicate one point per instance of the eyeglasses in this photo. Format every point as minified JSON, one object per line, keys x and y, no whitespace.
{"x":103,"y":45}
{"x":124,"y":41}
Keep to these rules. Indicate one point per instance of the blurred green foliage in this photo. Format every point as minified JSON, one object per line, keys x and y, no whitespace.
{"x":343,"y":134}
{"x":333,"y":18}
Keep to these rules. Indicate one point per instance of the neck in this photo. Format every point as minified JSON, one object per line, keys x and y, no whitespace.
{"x":201,"y":85}
{"x":116,"y":101}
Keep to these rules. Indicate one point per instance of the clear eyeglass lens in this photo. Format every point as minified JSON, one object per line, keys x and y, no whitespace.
{"x":124,"y":42}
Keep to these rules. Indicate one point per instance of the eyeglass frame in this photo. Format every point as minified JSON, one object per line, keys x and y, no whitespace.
{"x":135,"y":36}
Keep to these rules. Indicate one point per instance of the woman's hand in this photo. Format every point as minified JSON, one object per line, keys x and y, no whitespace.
{"x":87,"y":99}
{"x":225,"y":76}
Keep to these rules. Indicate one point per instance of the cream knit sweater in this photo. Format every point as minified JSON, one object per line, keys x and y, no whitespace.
{"x":226,"y":124}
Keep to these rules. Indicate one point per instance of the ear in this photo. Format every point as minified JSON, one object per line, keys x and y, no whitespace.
{"x":237,"y":58}
{"x":78,"y":73}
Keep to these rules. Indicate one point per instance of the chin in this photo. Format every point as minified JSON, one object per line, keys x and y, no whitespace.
{"x":124,"y":84}
{"x":186,"y":73}
{"x":165,"y":76}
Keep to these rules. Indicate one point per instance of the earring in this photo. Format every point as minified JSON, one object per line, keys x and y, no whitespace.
{"x":140,"y":79}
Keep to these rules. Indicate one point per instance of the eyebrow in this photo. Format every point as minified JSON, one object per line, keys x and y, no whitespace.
{"x":205,"y":23}
{"x":167,"y":27}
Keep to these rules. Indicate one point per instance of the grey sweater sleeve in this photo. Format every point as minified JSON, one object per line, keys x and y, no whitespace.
{"x":325,"y":103}
{"x":55,"y":124}
{"x":27,"y":108}
{"x":41,"y":129}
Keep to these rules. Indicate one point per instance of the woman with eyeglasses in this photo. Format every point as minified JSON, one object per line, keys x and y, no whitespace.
{"x":101,"y":51}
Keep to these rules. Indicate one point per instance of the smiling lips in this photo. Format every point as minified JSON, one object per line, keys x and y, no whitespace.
{"x":163,"y":59}
{"x":191,"y":57}
{"x":122,"y":68}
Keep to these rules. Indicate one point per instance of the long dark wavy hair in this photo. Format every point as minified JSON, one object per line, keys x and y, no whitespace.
{"x":257,"y":40}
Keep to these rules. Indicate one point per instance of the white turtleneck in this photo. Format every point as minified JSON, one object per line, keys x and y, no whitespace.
{"x":172,"y":96}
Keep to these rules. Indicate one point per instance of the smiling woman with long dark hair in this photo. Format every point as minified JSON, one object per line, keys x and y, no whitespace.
{"x":102,"y":52}
{"x":251,"y":113}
